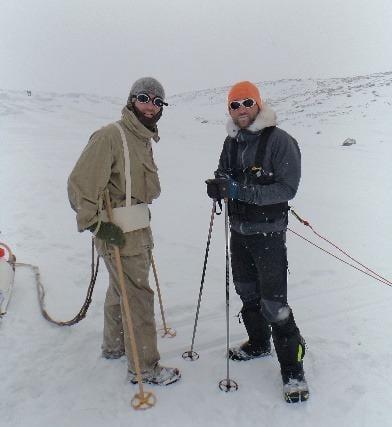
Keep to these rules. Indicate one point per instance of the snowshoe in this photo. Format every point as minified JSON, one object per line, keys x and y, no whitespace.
{"x":248,"y":351}
{"x":160,"y":375}
{"x":295,"y":387}
{"x":113,"y":354}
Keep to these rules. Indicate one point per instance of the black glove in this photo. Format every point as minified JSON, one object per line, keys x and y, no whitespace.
{"x":222,"y":188}
{"x":110,"y":233}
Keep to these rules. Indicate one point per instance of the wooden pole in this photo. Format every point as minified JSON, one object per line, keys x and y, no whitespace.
{"x":141,"y":400}
{"x":166,"y":331}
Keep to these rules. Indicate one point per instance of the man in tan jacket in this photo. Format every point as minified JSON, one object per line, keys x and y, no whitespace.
{"x":111,"y":151}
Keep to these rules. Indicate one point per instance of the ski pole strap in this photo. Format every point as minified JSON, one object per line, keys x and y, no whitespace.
{"x":220,"y":206}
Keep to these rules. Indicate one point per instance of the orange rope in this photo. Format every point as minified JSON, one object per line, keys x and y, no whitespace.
{"x":366,"y":269}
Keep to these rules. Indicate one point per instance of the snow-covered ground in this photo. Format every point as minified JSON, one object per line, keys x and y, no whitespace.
{"x":52,"y":376}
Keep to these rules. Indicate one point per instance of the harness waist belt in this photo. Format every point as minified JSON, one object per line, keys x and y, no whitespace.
{"x":255,"y":213}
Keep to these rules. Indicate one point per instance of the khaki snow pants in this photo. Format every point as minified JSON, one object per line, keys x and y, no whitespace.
{"x":141,"y":303}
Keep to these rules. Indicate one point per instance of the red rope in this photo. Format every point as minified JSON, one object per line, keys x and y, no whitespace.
{"x":374,"y":274}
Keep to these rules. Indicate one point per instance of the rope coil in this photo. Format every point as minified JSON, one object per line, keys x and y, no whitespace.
{"x":41,"y":292}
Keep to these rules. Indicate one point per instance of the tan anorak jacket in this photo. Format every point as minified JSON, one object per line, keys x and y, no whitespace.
{"x":101,"y":166}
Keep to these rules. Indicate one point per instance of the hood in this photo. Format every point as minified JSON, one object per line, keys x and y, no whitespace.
{"x":136,"y":127}
{"x":265,"y":118}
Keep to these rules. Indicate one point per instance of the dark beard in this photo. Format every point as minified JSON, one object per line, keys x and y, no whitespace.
{"x":149,"y":122}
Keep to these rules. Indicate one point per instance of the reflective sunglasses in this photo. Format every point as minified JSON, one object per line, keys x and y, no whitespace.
{"x":144,"y":98}
{"x":247,"y":103}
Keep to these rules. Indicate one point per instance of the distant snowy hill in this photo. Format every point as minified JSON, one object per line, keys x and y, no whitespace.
{"x":55,"y":376}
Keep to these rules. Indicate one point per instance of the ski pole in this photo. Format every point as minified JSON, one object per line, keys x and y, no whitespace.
{"x":166,"y":331}
{"x":190,"y":354}
{"x":227,"y":384}
{"x":141,"y":400}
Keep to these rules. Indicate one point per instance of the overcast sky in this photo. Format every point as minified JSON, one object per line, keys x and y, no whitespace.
{"x":102,"y":46}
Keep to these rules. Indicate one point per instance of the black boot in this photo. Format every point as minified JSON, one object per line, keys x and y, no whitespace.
{"x":247,"y":351}
{"x":290,"y":349}
{"x":295,"y":387}
{"x":259,"y":333}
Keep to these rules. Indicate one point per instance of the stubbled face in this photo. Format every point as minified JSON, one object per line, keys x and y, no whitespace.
{"x":148,"y":109}
{"x":243,"y":116}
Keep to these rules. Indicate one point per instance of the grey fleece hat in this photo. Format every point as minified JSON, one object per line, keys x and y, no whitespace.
{"x":146,"y":85}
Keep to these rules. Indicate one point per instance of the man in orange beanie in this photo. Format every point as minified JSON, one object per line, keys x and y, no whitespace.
{"x":259,"y":172}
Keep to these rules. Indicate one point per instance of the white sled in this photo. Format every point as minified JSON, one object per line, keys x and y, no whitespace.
{"x":7,"y":273}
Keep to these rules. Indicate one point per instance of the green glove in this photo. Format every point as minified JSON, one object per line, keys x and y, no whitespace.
{"x":110,"y":233}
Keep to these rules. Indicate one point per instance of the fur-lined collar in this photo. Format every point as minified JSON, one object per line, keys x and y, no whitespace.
{"x":266,"y":118}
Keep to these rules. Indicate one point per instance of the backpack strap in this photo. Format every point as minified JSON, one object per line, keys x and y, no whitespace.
{"x":262,"y":147}
{"x":128,"y":190}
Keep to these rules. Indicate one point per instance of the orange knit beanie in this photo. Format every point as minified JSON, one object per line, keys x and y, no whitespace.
{"x":243,"y":90}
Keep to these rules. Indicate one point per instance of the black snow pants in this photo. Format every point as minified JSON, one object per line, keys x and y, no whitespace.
{"x":259,"y":267}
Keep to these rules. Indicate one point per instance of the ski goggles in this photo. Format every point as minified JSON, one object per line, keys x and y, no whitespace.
{"x":247,"y":103}
{"x":144,"y":98}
